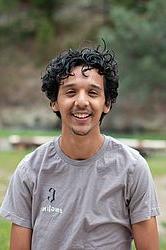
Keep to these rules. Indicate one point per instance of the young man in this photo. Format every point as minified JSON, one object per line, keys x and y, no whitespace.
{"x":83,"y":190}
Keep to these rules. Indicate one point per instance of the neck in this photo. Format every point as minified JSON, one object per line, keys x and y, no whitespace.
{"x":81,"y":147}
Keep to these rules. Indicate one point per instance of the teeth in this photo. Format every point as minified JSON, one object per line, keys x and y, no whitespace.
{"x":81,"y":115}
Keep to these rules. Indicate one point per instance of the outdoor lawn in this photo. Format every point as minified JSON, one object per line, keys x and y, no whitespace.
{"x":8,"y":162}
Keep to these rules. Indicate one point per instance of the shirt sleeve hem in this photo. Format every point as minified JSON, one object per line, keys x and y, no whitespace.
{"x":15,"y":219}
{"x":144,"y":216}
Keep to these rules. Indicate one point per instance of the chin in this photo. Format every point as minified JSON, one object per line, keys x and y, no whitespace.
{"x":80,"y":133}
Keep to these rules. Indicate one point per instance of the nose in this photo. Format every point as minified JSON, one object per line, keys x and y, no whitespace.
{"x":81,"y":100}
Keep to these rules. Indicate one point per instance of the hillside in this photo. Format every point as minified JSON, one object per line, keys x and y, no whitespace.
{"x":30,"y":38}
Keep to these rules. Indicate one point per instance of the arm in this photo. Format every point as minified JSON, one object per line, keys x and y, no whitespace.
{"x":20,"y":238}
{"x":145,"y":235}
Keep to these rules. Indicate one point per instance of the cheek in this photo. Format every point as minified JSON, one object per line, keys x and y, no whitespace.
{"x":100,"y":104}
{"x":64,"y":105}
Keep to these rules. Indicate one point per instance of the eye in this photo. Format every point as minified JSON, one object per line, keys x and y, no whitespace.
{"x":70,"y":92}
{"x":93,"y":93}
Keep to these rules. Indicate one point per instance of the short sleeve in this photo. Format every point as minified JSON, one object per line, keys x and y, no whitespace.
{"x":16,"y":205}
{"x":143,"y":202}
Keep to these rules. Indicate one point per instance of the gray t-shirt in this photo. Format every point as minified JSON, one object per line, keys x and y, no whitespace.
{"x":87,"y":204}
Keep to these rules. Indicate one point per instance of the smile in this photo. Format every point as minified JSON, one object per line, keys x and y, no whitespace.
{"x":81,"y":115}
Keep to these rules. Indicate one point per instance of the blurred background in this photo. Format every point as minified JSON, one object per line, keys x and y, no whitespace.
{"x":32,"y":32}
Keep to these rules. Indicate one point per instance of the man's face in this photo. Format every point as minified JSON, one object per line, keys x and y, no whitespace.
{"x":81,"y":102}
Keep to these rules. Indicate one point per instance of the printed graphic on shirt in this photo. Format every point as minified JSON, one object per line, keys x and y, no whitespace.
{"x":50,"y":208}
{"x":52,"y":197}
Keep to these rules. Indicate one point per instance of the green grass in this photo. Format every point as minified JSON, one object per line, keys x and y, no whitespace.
{"x":139,"y":136}
{"x":29,"y":132}
{"x":9,"y":159}
{"x":162,"y":243}
{"x":157,"y":164}
{"x":8,"y":162}
{"x":4,"y":234}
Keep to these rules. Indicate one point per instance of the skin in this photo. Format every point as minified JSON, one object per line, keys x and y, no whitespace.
{"x":145,"y":235}
{"x":20,"y":238}
{"x":81,"y":102}
{"x":84,"y":95}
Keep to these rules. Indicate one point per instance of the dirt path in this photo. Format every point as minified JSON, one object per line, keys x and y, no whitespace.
{"x":161,"y":192}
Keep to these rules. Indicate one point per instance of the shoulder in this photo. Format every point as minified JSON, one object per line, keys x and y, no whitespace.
{"x":46,"y":149}
{"x":34,"y":161}
{"x":115,"y":146}
{"x":125,"y":156}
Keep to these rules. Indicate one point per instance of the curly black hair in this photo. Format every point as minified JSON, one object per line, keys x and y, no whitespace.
{"x":99,"y":58}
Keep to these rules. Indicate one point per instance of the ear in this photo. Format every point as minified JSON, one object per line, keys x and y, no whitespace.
{"x":106,"y":109}
{"x":54,"y":106}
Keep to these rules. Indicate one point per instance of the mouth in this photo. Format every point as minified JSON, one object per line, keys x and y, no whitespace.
{"x":81,"y":116}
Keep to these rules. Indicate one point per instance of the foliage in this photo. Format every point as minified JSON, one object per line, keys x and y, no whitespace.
{"x":35,"y":30}
{"x":139,"y":40}
{"x":24,"y":20}
{"x":44,"y":4}
{"x":139,"y":5}
{"x":45,"y":36}
{"x":8,"y":5}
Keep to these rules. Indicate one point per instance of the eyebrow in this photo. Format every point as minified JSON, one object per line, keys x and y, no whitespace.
{"x":71,"y":85}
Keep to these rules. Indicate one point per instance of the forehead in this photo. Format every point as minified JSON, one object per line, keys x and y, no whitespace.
{"x":89,"y":76}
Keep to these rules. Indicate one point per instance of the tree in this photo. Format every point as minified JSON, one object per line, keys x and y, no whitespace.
{"x":139,"y":40}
